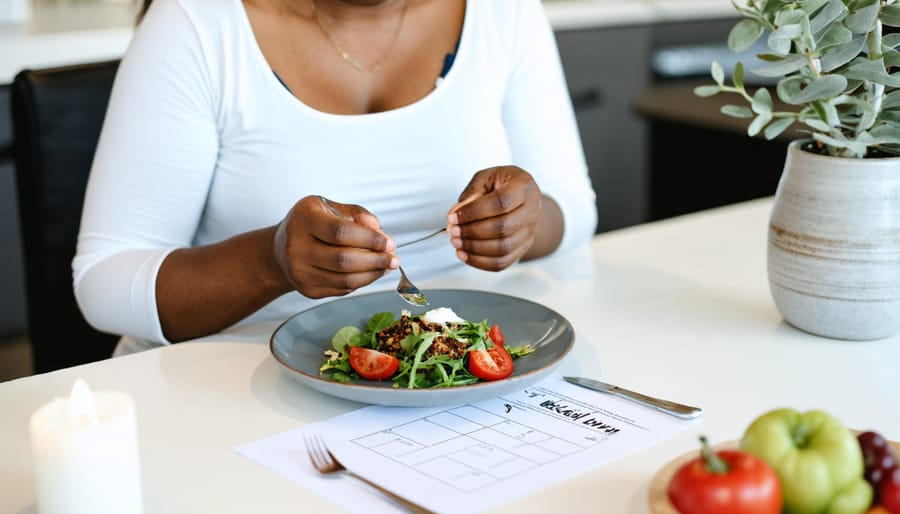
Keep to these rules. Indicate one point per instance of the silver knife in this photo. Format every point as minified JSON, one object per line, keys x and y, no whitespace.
{"x":673,"y":408}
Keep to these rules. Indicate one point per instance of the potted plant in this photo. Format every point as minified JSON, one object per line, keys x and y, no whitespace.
{"x":834,"y":232}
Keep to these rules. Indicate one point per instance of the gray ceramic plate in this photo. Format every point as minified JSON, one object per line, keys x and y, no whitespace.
{"x":299,"y":342}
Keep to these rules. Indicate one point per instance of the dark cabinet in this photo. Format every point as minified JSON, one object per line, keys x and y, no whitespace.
{"x":655,"y":150}
{"x":12,"y":288}
{"x":606,"y":69}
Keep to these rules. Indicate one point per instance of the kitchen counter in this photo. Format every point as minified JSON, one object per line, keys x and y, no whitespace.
{"x":587,"y":14}
{"x":61,"y":32}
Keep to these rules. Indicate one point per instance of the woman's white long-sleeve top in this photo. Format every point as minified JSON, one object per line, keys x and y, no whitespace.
{"x":202,"y":142}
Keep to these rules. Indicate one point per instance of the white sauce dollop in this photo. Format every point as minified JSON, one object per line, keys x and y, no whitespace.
{"x":442,"y":315}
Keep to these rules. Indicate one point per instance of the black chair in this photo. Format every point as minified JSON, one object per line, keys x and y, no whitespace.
{"x":57,"y":115}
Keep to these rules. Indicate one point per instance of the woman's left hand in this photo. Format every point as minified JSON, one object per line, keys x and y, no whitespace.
{"x":496,"y":219}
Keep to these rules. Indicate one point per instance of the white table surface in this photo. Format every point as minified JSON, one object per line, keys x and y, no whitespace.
{"x":678,"y":309}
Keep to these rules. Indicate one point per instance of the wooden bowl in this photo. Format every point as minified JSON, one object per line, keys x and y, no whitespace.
{"x":659,"y":497}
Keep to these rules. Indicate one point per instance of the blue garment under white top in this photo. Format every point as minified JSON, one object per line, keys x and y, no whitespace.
{"x":201,"y":142}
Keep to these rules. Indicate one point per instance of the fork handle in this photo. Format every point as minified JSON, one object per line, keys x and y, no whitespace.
{"x":413,"y":507}
{"x":334,"y":210}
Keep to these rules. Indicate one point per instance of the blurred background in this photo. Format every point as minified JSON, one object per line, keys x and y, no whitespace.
{"x":653,"y":148}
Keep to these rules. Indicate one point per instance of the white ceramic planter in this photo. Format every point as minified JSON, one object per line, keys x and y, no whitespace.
{"x":834,"y":245}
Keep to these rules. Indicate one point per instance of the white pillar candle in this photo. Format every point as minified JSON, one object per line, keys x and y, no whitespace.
{"x":86,"y":454}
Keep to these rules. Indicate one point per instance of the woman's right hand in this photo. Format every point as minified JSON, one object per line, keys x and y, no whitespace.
{"x":322,"y":254}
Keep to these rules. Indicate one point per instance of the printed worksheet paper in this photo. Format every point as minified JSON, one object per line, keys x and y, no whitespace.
{"x":469,"y":458}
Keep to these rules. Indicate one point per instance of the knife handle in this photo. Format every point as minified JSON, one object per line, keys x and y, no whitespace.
{"x":669,"y":407}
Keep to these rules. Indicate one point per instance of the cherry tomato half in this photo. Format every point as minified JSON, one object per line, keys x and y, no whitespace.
{"x":496,"y":335}
{"x":492,"y":364}
{"x":372,"y":364}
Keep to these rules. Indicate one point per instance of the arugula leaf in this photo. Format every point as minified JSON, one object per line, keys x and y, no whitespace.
{"x":380,"y":321}
{"x":340,"y":376}
{"x":409,"y":342}
{"x":519,"y":351}
{"x":348,"y":335}
{"x":427,"y":339}
{"x":337,"y":367}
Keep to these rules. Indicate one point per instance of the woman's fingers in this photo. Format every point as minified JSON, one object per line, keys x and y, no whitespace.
{"x":331,"y":249}
{"x":348,"y":225}
{"x":496,"y":220}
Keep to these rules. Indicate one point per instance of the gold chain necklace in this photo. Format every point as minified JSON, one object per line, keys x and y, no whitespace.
{"x":343,"y":53}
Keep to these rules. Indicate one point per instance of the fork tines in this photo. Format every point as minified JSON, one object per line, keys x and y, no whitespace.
{"x":319,"y":456}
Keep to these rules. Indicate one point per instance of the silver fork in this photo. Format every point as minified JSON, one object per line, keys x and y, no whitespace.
{"x":405,"y":288}
{"x":325,"y":463}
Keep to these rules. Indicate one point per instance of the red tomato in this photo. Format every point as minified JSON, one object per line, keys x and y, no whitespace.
{"x":890,"y":491}
{"x":372,"y":364}
{"x":496,"y":335}
{"x":725,"y":482}
{"x":492,"y":364}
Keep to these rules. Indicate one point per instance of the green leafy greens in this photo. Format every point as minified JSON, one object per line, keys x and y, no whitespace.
{"x":416,"y":370}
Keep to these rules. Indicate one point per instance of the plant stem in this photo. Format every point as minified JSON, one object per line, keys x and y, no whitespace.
{"x":874,"y":42}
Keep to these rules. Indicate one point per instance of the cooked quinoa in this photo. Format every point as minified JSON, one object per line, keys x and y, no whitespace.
{"x":388,"y":340}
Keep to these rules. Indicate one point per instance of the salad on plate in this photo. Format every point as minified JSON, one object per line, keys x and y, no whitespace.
{"x":435,"y":349}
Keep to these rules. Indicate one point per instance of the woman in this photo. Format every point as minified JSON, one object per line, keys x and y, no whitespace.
{"x":230,"y":123}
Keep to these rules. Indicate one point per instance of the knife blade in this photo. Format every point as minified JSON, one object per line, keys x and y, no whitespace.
{"x":666,"y":406}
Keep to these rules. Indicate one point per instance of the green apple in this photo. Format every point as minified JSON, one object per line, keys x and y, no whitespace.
{"x":818,"y":461}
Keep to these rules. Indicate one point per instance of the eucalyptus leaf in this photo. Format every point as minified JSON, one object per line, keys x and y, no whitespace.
{"x":886,"y":133}
{"x":890,"y":15}
{"x":785,"y":66}
{"x":891,"y":100}
{"x":891,"y":58}
{"x":777,"y":127}
{"x":873,"y":70}
{"x":762,"y":101}
{"x":771,"y":8}
{"x":834,"y":10}
{"x":846,"y":148}
{"x":806,"y":41}
{"x":840,"y":55}
{"x":890,"y":149}
{"x":830,"y":114}
{"x":863,"y":17}
{"x":891,"y":40}
{"x":706,"y":91}
{"x":718,"y":74}
{"x":737,"y":76}
{"x":737,"y":111}
{"x":853,"y":84}
{"x":835,"y":35}
{"x":781,"y":39}
{"x":758,"y":123}
{"x":820,"y":111}
{"x":769,"y":57}
{"x":867,"y":119}
{"x":866,"y":137}
{"x":790,"y":17}
{"x":811,"y":6}
{"x":744,"y":34}
{"x":825,"y":86}
{"x":817,"y":124}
